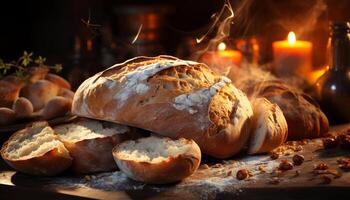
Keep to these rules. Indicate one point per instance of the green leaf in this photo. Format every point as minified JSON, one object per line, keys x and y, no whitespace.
{"x":26,"y":58}
{"x":40,"y":60}
{"x":58,"y":68}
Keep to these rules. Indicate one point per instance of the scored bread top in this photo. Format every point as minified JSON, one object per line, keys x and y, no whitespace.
{"x":153,"y":149}
{"x":172,"y":97}
{"x":85,"y":129}
{"x":32,"y":142}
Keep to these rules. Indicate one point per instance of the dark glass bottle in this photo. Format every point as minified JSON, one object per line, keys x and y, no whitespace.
{"x":333,"y":88}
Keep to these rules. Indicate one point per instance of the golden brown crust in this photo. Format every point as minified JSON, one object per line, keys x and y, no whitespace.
{"x":220,"y":129}
{"x":49,"y":163}
{"x":168,"y":171}
{"x":63,"y":83}
{"x":9,"y":92}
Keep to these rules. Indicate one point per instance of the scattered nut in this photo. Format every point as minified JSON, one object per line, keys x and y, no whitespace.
{"x":285,"y":165}
{"x":274,"y":181}
{"x":329,"y":143}
{"x":298,"y":159}
{"x":344,"y":140}
{"x":242,"y":174}
{"x":274,"y":156}
{"x":321,"y":166}
{"x":326,"y":179}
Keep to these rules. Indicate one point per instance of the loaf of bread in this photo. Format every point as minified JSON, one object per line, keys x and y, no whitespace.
{"x":304,"y":116}
{"x":269,"y":129}
{"x":90,"y":143}
{"x":173,"y":98}
{"x":9,"y":92}
{"x":157,"y":160}
{"x":36,"y":150}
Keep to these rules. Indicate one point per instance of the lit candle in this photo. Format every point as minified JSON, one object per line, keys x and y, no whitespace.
{"x":223,"y":59}
{"x":292,"y":57}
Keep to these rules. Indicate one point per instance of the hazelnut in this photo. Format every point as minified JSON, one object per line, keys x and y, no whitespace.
{"x":326,"y":179}
{"x":298,"y":159}
{"x":242,"y":174}
{"x":329,"y":143}
{"x":321,"y":166}
{"x":274,"y":156}
{"x":285,"y":165}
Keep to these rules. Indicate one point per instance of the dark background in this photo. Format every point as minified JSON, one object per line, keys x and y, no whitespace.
{"x":55,"y":29}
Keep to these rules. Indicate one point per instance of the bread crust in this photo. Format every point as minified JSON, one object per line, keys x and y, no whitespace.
{"x":173,"y":169}
{"x":49,"y":163}
{"x":269,"y":129}
{"x":219,"y":123}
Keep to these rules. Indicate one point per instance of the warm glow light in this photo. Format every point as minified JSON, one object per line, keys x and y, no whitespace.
{"x":291,"y":38}
{"x":221,"y":46}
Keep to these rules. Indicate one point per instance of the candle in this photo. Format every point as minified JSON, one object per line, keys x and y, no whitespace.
{"x":292,"y":57}
{"x":223,"y":59}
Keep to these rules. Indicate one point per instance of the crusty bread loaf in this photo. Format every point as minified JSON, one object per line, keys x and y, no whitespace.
{"x":90,"y":143}
{"x":9,"y":92}
{"x":36,"y":150}
{"x":269,"y":129}
{"x":304,"y":116}
{"x":171,"y":97}
{"x":158,"y":160}
{"x":39,"y":93}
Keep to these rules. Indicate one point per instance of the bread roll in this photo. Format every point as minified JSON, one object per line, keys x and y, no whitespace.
{"x":61,"y":82}
{"x":90,"y":143}
{"x":303,"y":115}
{"x":7,"y":116}
{"x":9,"y":92}
{"x":157,"y":160}
{"x":39,"y":93}
{"x":37,"y":73}
{"x":36,"y":150}
{"x":56,"y":107}
{"x":171,"y":97}
{"x":270,"y":128}
{"x":23,"y":107}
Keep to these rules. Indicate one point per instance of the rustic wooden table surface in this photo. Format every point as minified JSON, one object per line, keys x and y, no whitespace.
{"x":214,"y":180}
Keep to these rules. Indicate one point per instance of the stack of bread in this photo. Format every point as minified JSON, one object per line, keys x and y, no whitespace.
{"x":41,"y":95}
{"x":188,"y":108}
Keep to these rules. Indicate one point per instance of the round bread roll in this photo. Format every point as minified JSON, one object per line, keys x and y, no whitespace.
{"x":9,"y":92}
{"x":63,"y":92}
{"x":270,"y":128}
{"x":39,"y":93}
{"x":56,"y":107}
{"x":63,"y":83}
{"x":158,"y":160}
{"x":36,"y":150}
{"x":7,"y":116}
{"x":23,"y":107}
{"x":172,"y":97}
{"x":37,"y":73}
{"x":90,"y":143}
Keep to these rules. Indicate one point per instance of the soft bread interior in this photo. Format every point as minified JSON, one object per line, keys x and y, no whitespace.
{"x":33,"y":142}
{"x":86,"y":129}
{"x":152,"y":149}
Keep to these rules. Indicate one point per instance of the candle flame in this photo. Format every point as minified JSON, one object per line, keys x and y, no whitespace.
{"x":291,"y":38}
{"x":221,"y":46}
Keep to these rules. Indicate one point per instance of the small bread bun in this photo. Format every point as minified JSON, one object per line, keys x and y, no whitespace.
{"x":158,"y":160}
{"x":7,"y":116}
{"x":66,"y":93}
{"x":8,"y":93}
{"x":90,"y":143}
{"x":56,"y":107}
{"x":36,"y":150}
{"x":23,"y":107}
{"x":37,"y":73}
{"x":270,"y":128}
{"x":40,"y":92}
{"x":58,"y":80}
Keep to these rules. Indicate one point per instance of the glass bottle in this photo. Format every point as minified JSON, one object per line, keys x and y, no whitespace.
{"x":333,"y":88}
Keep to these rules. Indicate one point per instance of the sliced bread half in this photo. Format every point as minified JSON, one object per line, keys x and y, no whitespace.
{"x":157,"y":160}
{"x":36,"y":150}
{"x":90,"y":143}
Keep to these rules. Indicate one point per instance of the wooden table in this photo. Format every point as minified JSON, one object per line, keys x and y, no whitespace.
{"x":217,"y":181}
